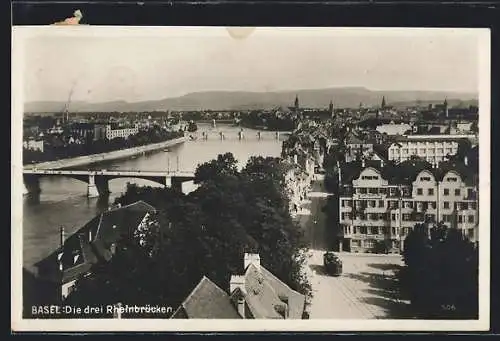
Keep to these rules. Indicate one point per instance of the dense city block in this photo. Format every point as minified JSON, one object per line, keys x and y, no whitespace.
{"x":368,"y":212}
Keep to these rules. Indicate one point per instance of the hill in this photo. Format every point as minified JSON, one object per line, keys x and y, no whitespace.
{"x":242,"y":100}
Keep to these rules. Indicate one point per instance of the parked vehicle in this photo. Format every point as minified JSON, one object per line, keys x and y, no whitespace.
{"x":332,"y":263}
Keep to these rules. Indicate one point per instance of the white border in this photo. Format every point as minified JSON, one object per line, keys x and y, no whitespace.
{"x":19,"y":36}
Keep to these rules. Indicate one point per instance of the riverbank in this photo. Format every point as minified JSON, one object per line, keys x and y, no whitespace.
{"x":114,"y":155}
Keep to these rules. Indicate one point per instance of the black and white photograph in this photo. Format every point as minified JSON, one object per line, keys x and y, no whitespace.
{"x":199,"y":178}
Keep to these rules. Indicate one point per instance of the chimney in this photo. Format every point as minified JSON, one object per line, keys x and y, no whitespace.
{"x":251,"y":258}
{"x":237,"y":282}
{"x":241,"y":307}
{"x":286,"y":308}
{"x":339,"y":172}
{"x":117,"y":310}
{"x":63,"y":236}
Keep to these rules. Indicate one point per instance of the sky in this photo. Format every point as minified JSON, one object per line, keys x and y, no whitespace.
{"x":135,"y":65}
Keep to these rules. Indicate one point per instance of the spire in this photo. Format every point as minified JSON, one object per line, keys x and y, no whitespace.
{"x":330,"y":108}
{"x":383,"y":102}
{"x":296,"y":101}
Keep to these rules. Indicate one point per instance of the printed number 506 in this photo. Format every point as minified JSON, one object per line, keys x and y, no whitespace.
{"x":448,"y":307}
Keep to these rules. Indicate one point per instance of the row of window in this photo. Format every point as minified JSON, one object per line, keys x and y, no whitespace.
{"x":369,"y":177}
{"x":446,"y":191}
{"x":430,"y":159}
{"x":406,"y":191}
{"x":380,"y":230}
{"x":370,"y":243}
{"x":394,"y":204}
{"x":422,"y":152}
{"x":382,"y":190}
{"x":429,"y":217}
{"x":412,"y":144}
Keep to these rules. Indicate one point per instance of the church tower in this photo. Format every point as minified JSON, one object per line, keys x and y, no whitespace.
{"x":445,"y":108}
{"x":296,"y":106}
{"x":331,"y":109}
{"x":383,"y":102}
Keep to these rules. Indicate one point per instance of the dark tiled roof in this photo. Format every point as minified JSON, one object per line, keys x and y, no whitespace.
{"x":351,"y":170}
{"x":406,"y":172}
{"x":207,"y":301}
{"x":91,"y":243}
{"x":437,"y":137}
{"x":296,"y":300}
{"x":265,"y":295}
{"x":260,"y":296}
{"x":381,"y":150}
{"x":353,"y":139}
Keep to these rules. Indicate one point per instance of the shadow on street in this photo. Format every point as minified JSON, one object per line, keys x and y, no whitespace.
{"x":384,"y":267}
{"x":384,"y":291}
{"x":318,"y":269}
{"x":393,"y":309}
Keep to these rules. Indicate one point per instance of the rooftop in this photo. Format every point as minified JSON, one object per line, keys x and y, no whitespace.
{"x":91,"y":243}
{"x":406,"y":172}
{"x":207,"y":301}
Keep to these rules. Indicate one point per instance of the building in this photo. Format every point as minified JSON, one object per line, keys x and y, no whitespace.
{"x":393,"y":129}
{"x":297,"y":181}
{"x":88,"y":131}
{"x":256,"y":294}
{"x":95,"y":242}
{"x":33,"y":144}
{"x":379,"y":205}
{"x":113,"y":131}
{"x":432,"y":148}
{"x":207,"y":301}
{"x":84,"y":131}
{"x":356,"y":147}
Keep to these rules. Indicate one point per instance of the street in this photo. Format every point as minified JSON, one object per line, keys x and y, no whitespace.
{"x":313,"y":219}
{"x":367,"y":288}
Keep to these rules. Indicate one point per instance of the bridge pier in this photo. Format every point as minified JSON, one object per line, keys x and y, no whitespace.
{"x":176,"y":184}
{"x":31,"y":184}
{"x":97,"y":186}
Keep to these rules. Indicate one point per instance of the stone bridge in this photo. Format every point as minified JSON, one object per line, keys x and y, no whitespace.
{"x":97,"y":180}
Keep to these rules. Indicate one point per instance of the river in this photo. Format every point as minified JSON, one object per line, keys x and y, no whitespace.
{"x":63,"y":201}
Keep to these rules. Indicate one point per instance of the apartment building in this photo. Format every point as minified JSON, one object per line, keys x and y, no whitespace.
{"x":357,"y":147}
{"x":432,"y":148}
{"x":380,"y":204}
{"x":114,"y":132}
{"x":33,"y":144}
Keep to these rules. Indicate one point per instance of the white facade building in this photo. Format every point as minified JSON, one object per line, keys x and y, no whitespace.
{"x":433,"y":149}
{"x":33,"y":145}
{"x":374,"y":207}
{"x":120,"y":132}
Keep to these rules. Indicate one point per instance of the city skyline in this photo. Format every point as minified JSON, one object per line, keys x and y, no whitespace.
{"x":105,"y":65}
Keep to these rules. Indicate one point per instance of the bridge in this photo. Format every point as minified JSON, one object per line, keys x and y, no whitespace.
{"x":98,"y":180}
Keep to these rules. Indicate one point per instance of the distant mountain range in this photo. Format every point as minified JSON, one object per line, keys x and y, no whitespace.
{"x":242,"y":100}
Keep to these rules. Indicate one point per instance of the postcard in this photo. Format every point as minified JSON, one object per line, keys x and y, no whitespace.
{"x":250,"y":179}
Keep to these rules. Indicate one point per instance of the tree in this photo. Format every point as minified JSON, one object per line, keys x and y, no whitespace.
{"x":203,"y":233}
{"x":441,"y":273}
{"x":225,"y":164}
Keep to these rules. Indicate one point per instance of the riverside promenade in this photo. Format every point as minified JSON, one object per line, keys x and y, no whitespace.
{"x":114,"y":155}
